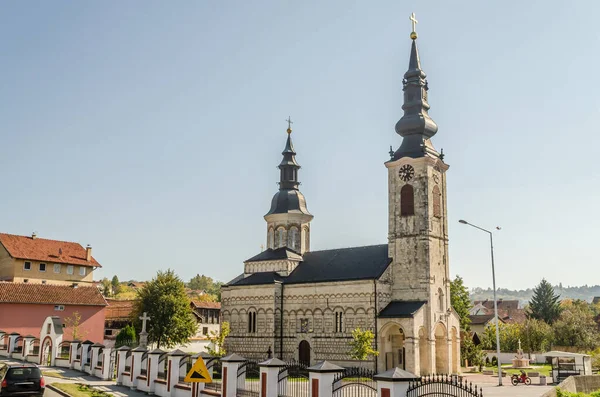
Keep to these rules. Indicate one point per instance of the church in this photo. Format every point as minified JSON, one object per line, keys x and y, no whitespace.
{"x":303,"y":305}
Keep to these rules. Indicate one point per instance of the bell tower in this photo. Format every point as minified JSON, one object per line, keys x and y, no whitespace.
{"x":418,"y":237}
{"x":288,"y":220}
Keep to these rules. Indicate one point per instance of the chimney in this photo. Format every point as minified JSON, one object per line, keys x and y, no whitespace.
{"x":88,"y":253}
{"x":33,"y":235}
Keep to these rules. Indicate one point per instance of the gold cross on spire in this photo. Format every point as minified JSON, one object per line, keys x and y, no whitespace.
{"x":290,"y":122}
{"x":413,"y":34}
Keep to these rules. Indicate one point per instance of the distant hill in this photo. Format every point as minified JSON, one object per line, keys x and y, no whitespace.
{"x":586,"y":293}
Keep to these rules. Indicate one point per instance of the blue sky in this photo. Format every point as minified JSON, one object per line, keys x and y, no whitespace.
{"x":152,"y":129}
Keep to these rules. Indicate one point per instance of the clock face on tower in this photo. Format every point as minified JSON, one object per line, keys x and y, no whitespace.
{"x":406,"y":172}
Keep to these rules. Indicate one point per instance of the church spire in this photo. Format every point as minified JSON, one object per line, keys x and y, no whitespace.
{"x":288,"y":167}
{"x":415,"y":126}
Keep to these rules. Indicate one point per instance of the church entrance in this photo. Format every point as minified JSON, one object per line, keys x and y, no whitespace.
{"x":304,"y":353}
{"x":441,"y":350}
{"x":394,"y":348}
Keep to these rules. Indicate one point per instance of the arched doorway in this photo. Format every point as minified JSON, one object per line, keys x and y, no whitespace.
{"x":393,"y":347}
{"x":304,"y":352}
{"x":46,"y":352}
{"x":423,"y":353}
{"x":455,"y":352}
{"x":441,"y":349}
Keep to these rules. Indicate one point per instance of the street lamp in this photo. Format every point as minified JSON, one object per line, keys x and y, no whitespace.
{"x":495,"y":300}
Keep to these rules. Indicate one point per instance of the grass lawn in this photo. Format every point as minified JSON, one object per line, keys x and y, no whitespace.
{"x":78,"y":390}
{"x":543,"y":369}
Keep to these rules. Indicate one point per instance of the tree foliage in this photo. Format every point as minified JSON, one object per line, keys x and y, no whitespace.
{"x":126,"y":337}
{"x":106,"y":287}
{"x":471,"y":352}
{"x":576,"y":326}
{"x":361,"y":345}
{"x":206,"y":284}
{"x":544,"y":304}
{"x":461,"y":302}
{"x":116,"y":285}
{"x":216,"y":348}
{"x":74,"y":323}
{"x":536,"y":335}
{"x":165,"y":301}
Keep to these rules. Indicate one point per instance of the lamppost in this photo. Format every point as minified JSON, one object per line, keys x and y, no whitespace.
{"x":495,"y":300}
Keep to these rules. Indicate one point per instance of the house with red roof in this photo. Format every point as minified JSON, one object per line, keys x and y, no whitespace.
{"x":30,"y":259}
{"x":25,"y":306}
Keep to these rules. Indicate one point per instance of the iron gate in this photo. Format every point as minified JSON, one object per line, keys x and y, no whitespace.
{"x":248,"y":379}
{"x":216,"y":365}
{"x":354,"y":382}
{"x":442,"y":385}
{"x":292,"y":380}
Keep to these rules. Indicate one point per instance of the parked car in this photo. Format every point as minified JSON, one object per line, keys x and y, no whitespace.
{"x":21,"y":380}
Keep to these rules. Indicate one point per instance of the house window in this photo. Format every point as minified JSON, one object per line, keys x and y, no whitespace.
{"x":42,"y":267}
{"x":69,"y":269}
{"x":56,"y":268}
{"x":339,"y":321}
{"x":407,"y":201}
{"x":252,"y":322}
{"x":81,"y":271}
{"x":204,"y":330}
{"x":27,"y":266}
{"x":437,"y":202}
{"x":59,"y":308}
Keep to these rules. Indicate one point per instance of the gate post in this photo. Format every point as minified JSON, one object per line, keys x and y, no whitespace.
{"x":174,"y":358}
{"x":394,"y":382}
{"x":106,"y":367}
{"x":121,"y":363}
{"x":136,"y":365}
{"x":231,"y":363}
{"x":152,"y":374}
{"x":321,"y":378}
{"x":269,"y":371}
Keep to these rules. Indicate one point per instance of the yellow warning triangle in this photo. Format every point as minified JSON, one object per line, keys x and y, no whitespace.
{"x":198,"y":373}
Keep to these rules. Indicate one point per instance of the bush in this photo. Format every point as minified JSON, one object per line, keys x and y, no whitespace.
{"x":494,"y":361}
{"x":126,"y":337}
{"x":562,"y":393}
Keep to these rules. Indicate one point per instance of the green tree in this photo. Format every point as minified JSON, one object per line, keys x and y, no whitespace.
{"x":576,"y":326}
{"x":74,"y":322}
{"x":544,"y":304}
{"x":361,"y":345}
{"x":126,"y":337}
{"x":217,"y":340}
{"x":106,"y":287}
{"x":461,"y":302}
{"x":165,"y":301}
{"x":116,"y":285}
{"x":470,"y":351}
{"x":206,"y":284}
{"x":509,"y":337}
{"x":536,"y":335}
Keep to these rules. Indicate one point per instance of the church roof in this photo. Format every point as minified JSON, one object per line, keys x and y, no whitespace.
{"x":275,"y":254}
{"x":344,"y":264}
{"x":401,"y":309}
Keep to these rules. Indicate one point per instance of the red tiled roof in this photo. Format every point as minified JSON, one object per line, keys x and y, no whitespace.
{"x":48,"y":294}
{"x":119,"y":309}
{"x":44,"y":250}
{"x":206,"y":305}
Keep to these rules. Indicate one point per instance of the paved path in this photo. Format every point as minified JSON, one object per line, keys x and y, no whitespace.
{"x":490,"y":387}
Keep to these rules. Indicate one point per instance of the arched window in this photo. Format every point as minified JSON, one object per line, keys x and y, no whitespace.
{"x":339,"y":321}
{"x":437,"y":202}
{"x":271,"y":242}
{"x":280,"y":239}
{"x":292,"y":236}
{"x":252,"y":322}
{"x":407,"y":201}
{"x":440,"y":300}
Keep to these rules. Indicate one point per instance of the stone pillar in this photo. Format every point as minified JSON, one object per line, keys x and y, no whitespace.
{"x":321,"y":378}
{"x":136,"y":365}
{"x":394,"y":383}
{"x":121,"y":363}
{"x":231,"y":363}
{"x":153,"y":358}
{"x":84,"y":353}
{"x":411,"y":356}
{"x":12,"y":343}
{"x":105,"y":373}
{"x":175,"y":358}
{"x":433,"y":360}
{"x":269,"y":371}
{"x":73,"y":345}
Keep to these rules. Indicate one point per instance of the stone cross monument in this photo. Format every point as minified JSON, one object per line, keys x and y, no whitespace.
{"x":144,"y":334}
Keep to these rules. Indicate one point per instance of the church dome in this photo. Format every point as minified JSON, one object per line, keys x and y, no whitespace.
{"x":288,"y":201}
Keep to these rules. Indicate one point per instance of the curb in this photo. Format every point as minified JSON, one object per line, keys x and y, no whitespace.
{"x":58,"y":391}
